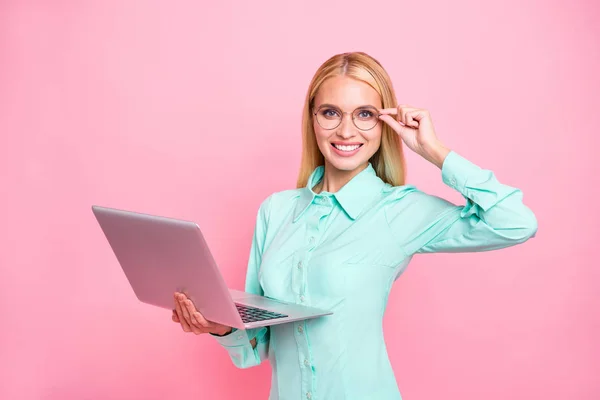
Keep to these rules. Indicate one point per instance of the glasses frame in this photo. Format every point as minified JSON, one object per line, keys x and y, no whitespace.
{"x":377,"y":113}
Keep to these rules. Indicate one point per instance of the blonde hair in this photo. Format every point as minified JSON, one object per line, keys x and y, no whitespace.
{"x":388,"y":161}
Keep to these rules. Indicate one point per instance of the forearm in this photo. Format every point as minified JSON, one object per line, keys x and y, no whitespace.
{"x":494,"y":215}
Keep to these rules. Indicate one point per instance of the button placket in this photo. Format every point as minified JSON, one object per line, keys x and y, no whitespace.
{"x":306,"y":371}
{"x":322,"y":210}
{"x":297,"y":272}
{"x":314,"y":232}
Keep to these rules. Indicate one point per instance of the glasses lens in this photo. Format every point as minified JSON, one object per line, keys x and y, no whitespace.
{"x":328,"y":117}
{"x":365,"y":118}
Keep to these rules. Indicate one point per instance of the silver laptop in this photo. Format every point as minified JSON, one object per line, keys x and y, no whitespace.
{"x":161,"y":256}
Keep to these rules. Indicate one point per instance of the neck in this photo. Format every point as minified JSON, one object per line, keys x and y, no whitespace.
{"x":334,"y":179}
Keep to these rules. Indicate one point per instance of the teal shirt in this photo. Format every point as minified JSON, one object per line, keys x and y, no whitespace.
{"x":343,"y":251}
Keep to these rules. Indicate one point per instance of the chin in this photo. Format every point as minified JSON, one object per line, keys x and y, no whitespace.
{"x":347,"y":164}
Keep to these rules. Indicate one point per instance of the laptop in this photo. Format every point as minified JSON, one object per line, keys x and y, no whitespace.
{"x":161,"y":256}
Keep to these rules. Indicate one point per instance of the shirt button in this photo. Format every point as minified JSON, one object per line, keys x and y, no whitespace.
{"x":453,"y":181}
{"x":302,"y":298}
{"x":306,"y":363}
{"x":299,"y":264}
{"x":300,"y":329}
{"x":311,"y":240}
{"x":308,"y":395}
{"x":240,"y":337}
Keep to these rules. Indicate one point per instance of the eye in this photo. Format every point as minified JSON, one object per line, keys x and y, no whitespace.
{"x":329,"y":113}
{"x":365,"y":114}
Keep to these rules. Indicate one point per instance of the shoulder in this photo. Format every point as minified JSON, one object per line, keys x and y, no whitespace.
{"x":280,"y":199}
{"x":405,"y":193}
{"x":411,"y":198}
{"x":278,"y":202}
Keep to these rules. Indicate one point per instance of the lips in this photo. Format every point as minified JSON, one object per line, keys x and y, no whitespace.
{"x":346,"y":147}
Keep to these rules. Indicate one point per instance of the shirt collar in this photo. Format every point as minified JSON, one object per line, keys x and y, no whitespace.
{"x":353,"y":196}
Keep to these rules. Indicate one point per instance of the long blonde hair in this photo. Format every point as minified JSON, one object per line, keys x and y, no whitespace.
{"x":388,"y":161}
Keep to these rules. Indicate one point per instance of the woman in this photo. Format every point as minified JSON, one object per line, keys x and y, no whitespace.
{"x":349,"y":230}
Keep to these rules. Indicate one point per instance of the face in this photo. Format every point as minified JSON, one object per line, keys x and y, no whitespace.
{"x":347,"y":147}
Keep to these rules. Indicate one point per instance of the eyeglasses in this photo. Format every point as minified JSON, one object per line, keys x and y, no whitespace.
{"x":330,"y":117}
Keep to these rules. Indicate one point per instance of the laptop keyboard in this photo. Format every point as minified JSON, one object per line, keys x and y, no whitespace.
{"x":253,"y":314}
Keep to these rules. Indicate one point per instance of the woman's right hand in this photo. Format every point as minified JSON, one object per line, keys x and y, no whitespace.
{"x":191,"y":320}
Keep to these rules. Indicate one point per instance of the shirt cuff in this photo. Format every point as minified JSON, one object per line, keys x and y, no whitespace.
{"x":456,"y":171}
{"x":233,"y":339}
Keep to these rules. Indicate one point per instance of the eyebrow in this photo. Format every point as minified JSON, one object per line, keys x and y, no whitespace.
{"x":339,"y":108}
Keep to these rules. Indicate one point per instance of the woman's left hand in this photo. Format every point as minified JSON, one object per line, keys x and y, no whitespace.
{"x":415,"y":127}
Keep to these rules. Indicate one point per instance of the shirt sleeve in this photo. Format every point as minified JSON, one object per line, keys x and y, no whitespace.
{"x":492,"y":218}
{"x":237,"y":343}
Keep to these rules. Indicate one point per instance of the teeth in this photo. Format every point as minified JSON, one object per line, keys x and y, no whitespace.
{"x":346,"y":148}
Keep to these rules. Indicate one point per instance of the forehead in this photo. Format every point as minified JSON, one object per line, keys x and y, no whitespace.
{"x":347,"y":93}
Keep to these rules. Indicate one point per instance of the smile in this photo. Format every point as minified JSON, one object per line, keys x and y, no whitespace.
{"x":346,"y":148}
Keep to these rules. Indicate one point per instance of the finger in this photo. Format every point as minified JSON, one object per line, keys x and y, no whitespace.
{"x":203,"y":321}
{"x":404,"y":111}
{"x":185,"y":312}
{"x":391,"y":121}
{"x":402,"y":108}
{"x":401,"y":111}
{"x":422,"y":119}
{"x":178,"y":310}
{"x":194,"y":314}
{"x":411,"y":119}
{"x":188,"y":310}
{"x":198,"y":330}
{"x":175,"y":317}
{"x":389,"y":111}
{"x":184,"y":325}
{"x":420,"y":114}
{"x":195,"y":324}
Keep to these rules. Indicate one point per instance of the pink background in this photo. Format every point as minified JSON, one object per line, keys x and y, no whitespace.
{"x":193,"y":110}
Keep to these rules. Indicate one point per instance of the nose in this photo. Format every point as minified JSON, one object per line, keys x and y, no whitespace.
{"x":346,"y":128}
